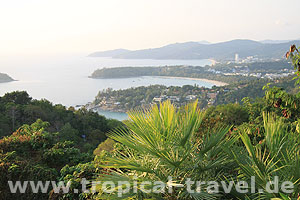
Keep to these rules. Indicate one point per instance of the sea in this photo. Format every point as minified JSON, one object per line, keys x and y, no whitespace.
{"x":64,"y":79}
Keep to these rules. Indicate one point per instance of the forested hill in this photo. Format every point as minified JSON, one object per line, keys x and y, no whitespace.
{"x":40,"y":141}
{"x":5,"y":78}
{"x":196,"y":50}
{"x":254,"y":89}
{"x":87,"y":129}
{"x":176,"y":71}
{"x":132,"y":98}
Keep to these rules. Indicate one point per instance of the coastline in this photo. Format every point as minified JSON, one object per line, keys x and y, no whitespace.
{"x":217,"y":83}
{"x":99,"y":108}
{"x":7,"y":81}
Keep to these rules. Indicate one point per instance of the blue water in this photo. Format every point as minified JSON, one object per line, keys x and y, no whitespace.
{"x":113,"y":115}
{"x":65,"y":80}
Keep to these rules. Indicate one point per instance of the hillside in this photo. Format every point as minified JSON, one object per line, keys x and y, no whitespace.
{"x":132,"y":98}
{"x":175,"y":71}
{"x":225,"y":72}
{"x":40,"y":141}
{"x":5,"y":78}
{"x":197,"y":50}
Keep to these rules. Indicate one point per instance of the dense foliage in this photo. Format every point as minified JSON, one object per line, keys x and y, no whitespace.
{"x":137,"y":97}
{"x":176,"y":71}
{"x":87,"y":129}
{"x":168,"y":142}
{"x":254,"y":89}
{"x":260,"y":143}
{"x":169,"y":150}
{"x":294,"y":55}
{"x":256,"y":142}
{"x":33,"y":154}
{"x":132,"y":98}
{"x":58,"y":141}
{"x":231,"y":72}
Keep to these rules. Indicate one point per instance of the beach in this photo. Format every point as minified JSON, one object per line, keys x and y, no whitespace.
{"x":217,"y":83}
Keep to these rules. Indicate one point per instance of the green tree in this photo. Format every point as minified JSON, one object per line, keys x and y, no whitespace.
{"x":277,"y":155}
{"x":161,"y":142}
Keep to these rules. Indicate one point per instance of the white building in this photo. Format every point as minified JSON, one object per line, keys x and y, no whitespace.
{"x":190,"y":97}
{"x":236,"y":58}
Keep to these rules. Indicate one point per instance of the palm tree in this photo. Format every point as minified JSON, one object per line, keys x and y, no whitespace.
{"x":278,"y":155}
{"x":160,"y":143}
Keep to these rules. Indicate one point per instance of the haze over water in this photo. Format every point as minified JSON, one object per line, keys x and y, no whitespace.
{"x":65,"y":80}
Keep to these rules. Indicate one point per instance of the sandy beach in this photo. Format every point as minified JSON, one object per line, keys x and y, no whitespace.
{"x":217,"y":83}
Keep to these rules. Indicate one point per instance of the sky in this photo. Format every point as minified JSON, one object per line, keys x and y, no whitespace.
{"x":40,"y":27}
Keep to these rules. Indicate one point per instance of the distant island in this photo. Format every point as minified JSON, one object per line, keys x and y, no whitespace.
{"x":267,"y":49}
{"x":5,"y":78}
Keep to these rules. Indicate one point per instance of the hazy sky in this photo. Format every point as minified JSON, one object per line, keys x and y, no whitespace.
{"x":81,"y":26}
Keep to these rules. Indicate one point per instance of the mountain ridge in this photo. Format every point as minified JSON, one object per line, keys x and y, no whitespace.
{"x":197,"y":50}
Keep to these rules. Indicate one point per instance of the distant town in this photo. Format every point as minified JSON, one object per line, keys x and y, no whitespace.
{"x":145,"y":97}
{"x":239,"y":67}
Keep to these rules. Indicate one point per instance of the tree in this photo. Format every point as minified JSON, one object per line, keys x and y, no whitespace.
{"x":294,"y":55}
{"x":277,"y":155}
{"x":160,"y":143}
{"x":33,"y":154}
{"x":17,"y":97}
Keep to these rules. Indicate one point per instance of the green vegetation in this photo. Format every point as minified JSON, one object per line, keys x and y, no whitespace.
{"x":294,"y":55}
{"x":169,"y":151}
{"x":257,"y":142}
{"x":228,"y":72}
{"x":87,"y":129}
{"x":58,"y":143}
{"x":253,"y":89}
{"x":259,"y":139}
{"x":277,"y":155}
{"x":178,"y":149}
{"x":186,"y":143}
{"x":125,"y":100}
{"x":31,"y":153}
{"x":176,"y":71}
{"x":132,"y":98}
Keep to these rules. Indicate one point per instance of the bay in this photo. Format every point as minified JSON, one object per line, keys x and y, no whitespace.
{"x":64,"y":79}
